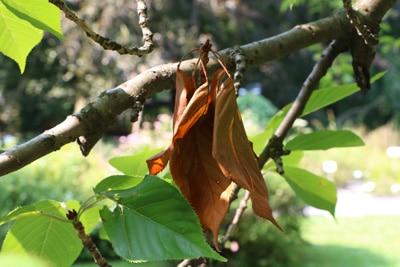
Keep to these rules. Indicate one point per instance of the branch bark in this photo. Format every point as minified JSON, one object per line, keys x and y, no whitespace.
{"x":91,"y":122}
{"x":274,"y":148}
{"x":108,"y":44}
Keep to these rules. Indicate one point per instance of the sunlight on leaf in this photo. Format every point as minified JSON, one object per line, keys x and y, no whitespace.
{"x":21,"y":27}
{"x":117,"y":182}
{"x":18,"y":213}
{"x":133,"y":164}
{"x":22,"y":260}
{"x":40,"y":13}
{"x":59,"y":249}
{"x":314,"y":190}
{"x":324,"y":139}
{"x":17,"y":37}
{"x":319,"y":99}
{"x":153,"y":221}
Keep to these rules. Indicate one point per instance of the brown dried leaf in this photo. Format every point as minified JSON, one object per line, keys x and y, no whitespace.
{"x":210,"y":150}
{"x":233,"y":151}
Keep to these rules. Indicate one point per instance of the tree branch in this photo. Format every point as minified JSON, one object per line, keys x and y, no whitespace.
{"x":109,"y":44}
{"x":362,"y":53}
{"x":274,"y":148}
{"x":238,"y":214}
{"x":91,"y":122}
{"x":86,"y":240}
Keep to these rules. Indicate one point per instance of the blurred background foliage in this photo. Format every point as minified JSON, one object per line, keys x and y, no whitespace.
{"x":62,"y":76}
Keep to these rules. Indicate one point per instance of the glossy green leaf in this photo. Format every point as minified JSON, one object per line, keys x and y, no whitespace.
{"x":326,"y":96}
{"x":319,"y":99}
{"x":17,"y":36}
{"x":153,"y":221}
{"x":40,"y":13}
{"x":314,"y":190}
{"x":323,"y":97}
{"x":46,"y":237}
{"x":134,"y":164}
{"x":21,"y":26}
{"x":117,"y":182}
{"x":18,"y":213}
{"x":324,"y":139}
{"x":36,"y":210}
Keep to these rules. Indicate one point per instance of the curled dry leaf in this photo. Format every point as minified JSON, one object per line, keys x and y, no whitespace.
{"x":210,"y":151}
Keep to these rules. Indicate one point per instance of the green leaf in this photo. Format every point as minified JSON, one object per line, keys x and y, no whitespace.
{"x":134,"y":164}
{"x":22,"y":260}
{"x":103,"y":234}
{"x":319,"y":99}
{"x":314,"y":190}
{"x":35,"y":210}
{"x":324,"y":139}
{"x":323,"y":97}
{"x":90,"y":219}
{"x":259,"y":141}
{"x":19,"y":213}
{"x":46,"y":237}
{"x":153,"y":221}
{"x":40,"y":13}
{"x":116,"y":182}
{"x":293,"y":159}
{"x":17,"y":37}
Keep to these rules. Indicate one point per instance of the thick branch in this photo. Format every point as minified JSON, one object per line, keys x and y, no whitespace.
{"x":91,"y":122}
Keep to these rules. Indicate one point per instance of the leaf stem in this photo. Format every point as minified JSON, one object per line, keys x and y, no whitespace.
{"x":89,"y":203}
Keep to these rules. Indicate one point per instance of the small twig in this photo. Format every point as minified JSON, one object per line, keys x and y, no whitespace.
{"x":203,"y":61}
{"x":239,"y":213}
{"x":107,"y":43}
{"x":86,"y":240}
{"x":274,"y":148}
